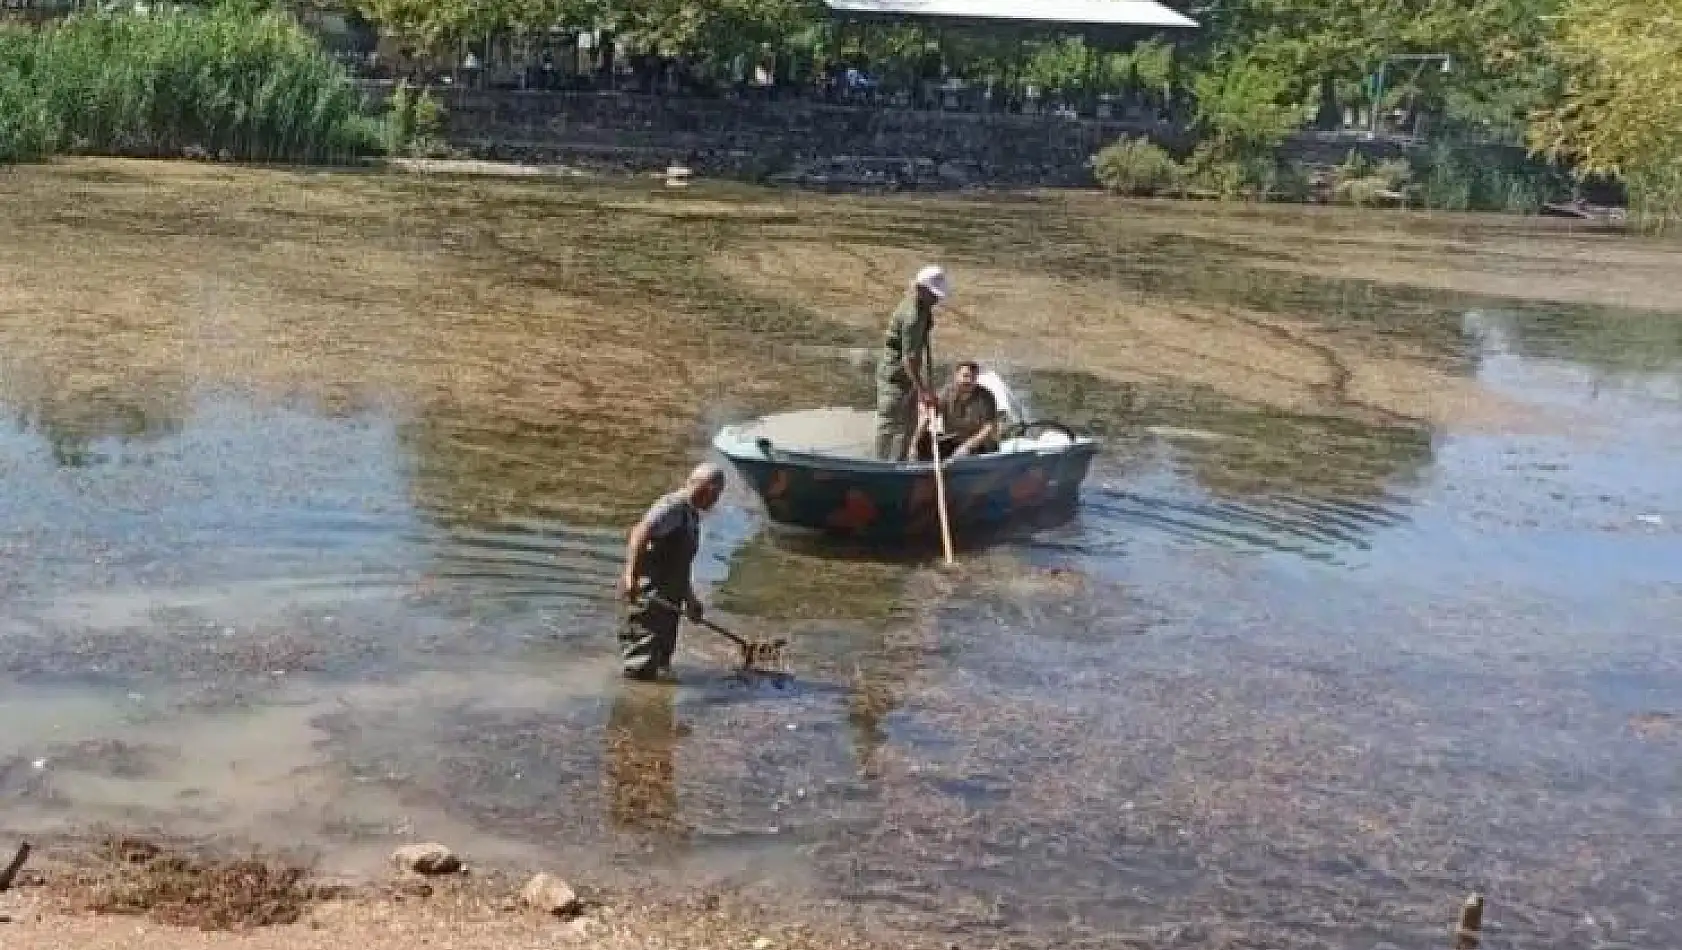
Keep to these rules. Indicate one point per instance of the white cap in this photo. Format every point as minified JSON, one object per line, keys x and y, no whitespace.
{"x":933,"y":279}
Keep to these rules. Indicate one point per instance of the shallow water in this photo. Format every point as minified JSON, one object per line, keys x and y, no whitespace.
{"x":1288,"y":678}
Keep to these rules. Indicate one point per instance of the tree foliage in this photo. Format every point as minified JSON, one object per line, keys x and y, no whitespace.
{"x":717,"y":28}
{"x":1596,"y":83}
{"x":1620,"y":112}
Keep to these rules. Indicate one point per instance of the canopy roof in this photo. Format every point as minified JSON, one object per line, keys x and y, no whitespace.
{"x":1135,"y":13}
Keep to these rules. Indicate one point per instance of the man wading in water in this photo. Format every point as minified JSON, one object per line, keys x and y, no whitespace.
{"x":659,"y":555}
{"x":902,"y":375}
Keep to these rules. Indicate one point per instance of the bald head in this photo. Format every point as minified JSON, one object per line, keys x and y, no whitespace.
{"x":704,"y":485}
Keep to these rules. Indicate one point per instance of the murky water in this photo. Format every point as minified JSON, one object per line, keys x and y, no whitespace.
{"x":308,"y":535}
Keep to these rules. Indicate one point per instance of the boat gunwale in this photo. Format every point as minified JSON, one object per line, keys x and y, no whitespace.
{"x":738,"y":449}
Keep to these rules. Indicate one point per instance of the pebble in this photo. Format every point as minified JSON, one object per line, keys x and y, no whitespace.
{"x":548,"y":894}
{"x":763,"y":943}
{"x":426,"y":859}
{"x":580,"y":928}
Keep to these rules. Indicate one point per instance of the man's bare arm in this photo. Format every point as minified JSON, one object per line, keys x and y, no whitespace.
{"x":634,"y":545}
{"x":980,"y":438}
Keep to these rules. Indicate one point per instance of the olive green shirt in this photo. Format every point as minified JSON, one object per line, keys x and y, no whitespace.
{"x":966,"y":415}
{"x":908,"y":333}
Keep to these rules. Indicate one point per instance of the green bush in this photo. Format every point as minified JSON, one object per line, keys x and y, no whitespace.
{"x":1363,"y":184}
{"x":1288,"y":181}
{"x":1364,"y":192}
{"x":233,"y":78}
{"x":27,"y":129}
{"x":1136,"y":166}
{"x":413,"y":123}
{"x":1459,"y":177}
{"x":1250,"y":176}
{"x":1210,"y":172}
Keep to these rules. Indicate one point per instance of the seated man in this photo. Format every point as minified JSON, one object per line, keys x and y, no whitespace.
{"x":970,"y":414}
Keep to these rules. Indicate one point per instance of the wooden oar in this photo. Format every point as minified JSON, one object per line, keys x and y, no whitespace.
{"x":936,"y":430}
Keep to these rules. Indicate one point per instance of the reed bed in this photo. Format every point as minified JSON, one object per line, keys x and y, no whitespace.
{"x":229,"y":81}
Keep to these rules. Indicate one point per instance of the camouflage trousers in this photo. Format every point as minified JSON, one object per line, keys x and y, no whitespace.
{"x":647,"y":639}
{"x":896,"y":417}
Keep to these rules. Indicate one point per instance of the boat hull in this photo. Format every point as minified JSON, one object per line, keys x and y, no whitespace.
{"x":871,"y":501}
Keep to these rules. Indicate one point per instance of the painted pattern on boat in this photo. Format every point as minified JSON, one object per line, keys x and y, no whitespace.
{"x":868,"y":499}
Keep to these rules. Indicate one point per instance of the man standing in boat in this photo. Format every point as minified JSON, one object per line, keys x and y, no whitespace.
{"x":657,"y":580}
{"x":969,"y":416}
{"x":902,"y":375}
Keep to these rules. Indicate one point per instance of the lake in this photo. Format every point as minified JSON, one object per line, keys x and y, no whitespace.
{"x":313,"y":487}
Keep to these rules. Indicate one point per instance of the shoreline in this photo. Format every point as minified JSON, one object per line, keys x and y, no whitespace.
{"x":144,"y":893}
{"x":464,"y":165}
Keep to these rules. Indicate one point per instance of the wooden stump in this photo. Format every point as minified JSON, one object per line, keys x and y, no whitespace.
{"x":1467,"y":934}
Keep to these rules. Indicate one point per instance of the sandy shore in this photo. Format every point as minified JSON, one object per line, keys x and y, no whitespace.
{"x":66,"y":903}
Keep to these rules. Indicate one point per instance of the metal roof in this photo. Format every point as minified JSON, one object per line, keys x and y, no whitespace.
{"x":1142,"y":13}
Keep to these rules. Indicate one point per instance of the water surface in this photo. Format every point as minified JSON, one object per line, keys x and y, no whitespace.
{"x":309,"y":529}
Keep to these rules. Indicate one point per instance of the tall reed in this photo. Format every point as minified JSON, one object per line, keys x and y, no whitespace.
{"x":234,"y":78}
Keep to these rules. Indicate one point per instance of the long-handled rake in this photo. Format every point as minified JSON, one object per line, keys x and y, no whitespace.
{"x":760,"y":656}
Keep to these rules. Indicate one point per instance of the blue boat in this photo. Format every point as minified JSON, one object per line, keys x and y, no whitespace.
{"x":814,"y":470}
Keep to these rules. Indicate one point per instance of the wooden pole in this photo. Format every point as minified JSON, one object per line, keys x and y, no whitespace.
{"x":10,"y":873}
{"x":1466,"y":935}
{"x":935,"y":432}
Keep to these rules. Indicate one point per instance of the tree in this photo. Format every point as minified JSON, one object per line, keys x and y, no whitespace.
{"x":1241,"y":106}
{"x":437,"y":25}
{"x":1327,"y":50}
{"x":718,"y":29}
{"x":1621,"y":109}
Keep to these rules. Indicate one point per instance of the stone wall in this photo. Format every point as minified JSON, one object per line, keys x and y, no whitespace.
{"x":809,"y":143}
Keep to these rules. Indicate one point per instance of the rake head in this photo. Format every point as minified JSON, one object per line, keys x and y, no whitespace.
{"x":758,"y":656}
{"x":765,"y":656}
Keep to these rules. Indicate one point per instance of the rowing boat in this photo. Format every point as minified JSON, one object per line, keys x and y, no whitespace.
{"x":815,"y":470}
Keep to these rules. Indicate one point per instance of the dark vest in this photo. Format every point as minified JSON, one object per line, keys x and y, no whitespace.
{"x":665,"y":562}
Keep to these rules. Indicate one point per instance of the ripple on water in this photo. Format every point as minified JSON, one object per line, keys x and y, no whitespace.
{"x":1300,"y":678}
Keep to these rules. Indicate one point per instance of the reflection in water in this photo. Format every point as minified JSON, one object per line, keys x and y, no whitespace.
{"x":780,"y":578}
{"x":869,"y":702}
{"x":1609,"y":344}
{"x":640,"y":771}
{"x":74,"y":428}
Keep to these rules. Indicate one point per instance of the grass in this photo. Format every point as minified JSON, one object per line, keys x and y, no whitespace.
{"x":140,"y":878}
{"x":233,"y":79}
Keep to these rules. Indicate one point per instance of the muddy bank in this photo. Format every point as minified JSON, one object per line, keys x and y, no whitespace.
{"x":145,"y":894}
